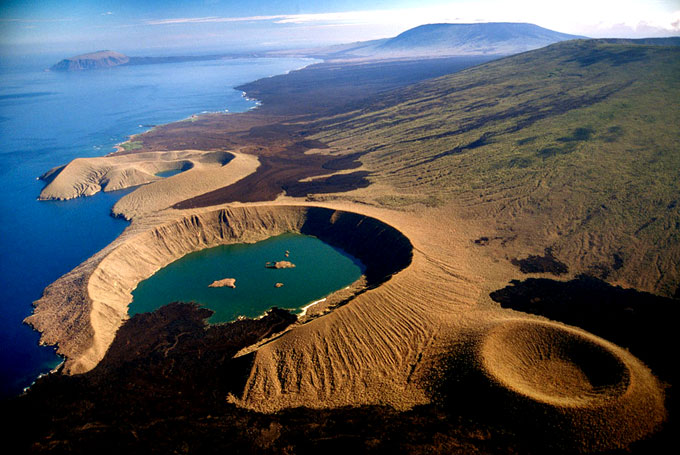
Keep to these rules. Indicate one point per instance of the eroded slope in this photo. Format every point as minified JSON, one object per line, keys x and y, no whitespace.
{"x":572,"y":147}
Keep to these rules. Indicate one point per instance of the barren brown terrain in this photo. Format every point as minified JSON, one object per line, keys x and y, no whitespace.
{"x":536,"y":165}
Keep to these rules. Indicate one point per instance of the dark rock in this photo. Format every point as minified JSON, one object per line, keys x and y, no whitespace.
{"x":541,"y":264}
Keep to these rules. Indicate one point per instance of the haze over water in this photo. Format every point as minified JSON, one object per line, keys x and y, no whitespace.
{"x":48,"y":119}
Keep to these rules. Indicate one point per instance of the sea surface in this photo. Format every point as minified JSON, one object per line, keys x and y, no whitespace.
{"x":319,"y":270}
{"x":49,"y":118}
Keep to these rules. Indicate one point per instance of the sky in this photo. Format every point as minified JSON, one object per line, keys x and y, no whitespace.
{"x":155,"y":27}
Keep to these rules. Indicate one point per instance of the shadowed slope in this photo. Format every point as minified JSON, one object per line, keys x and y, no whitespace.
{"x":161,"y":386}
{"x":638,"y":321}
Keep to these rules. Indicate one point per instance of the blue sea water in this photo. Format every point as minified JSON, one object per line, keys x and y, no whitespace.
{"x":46,"y":120}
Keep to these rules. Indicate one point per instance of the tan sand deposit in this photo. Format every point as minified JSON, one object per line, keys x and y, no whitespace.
{"x":164,"y":193}
{"x":87,"y":176}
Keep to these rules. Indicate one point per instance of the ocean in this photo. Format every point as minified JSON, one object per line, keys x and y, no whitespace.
{"x":49,"y":118}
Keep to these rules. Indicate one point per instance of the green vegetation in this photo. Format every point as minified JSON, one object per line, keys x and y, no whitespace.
{"x":579,"y":141}
{"x":129,"y":146}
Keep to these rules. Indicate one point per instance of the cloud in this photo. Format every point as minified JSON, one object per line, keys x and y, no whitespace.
{"x":211,"y":19}
{"x":108,"y":13}
{"x":602,"y":16}
{"x":346,"y":17}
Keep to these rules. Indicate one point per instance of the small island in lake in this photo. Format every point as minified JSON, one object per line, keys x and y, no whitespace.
{"x":226,"y":282}
{"x":280,"y":265}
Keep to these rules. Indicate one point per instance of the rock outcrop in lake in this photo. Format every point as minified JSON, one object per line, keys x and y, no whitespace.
{"x":280,"y":265}
{"x":226,"y":282}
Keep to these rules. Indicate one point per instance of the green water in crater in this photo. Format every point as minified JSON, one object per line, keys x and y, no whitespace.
{"x":320,"y":269}
{"x":170,"y":173}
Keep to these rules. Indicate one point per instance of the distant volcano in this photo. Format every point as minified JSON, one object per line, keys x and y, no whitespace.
{"x":439,"y":40}
{"x":487,"y":38}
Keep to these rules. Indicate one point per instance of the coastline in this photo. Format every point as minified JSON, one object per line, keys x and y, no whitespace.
{"x":303,"y":310}
{"x":120,"y":148}
{"x":387,"y":341}
{"x":99,"y":151}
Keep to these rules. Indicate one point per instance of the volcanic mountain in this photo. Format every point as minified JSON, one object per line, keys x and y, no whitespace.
{"x":437,"y":40}
{"x":94,"y":60}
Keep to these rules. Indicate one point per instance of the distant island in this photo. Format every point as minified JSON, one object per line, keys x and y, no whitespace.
{"x":109,"y":59}
{"x":500,"y":38}
{"x":91,"y":61}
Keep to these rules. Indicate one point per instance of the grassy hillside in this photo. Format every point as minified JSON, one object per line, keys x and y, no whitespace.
{"x":575,"y":147}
